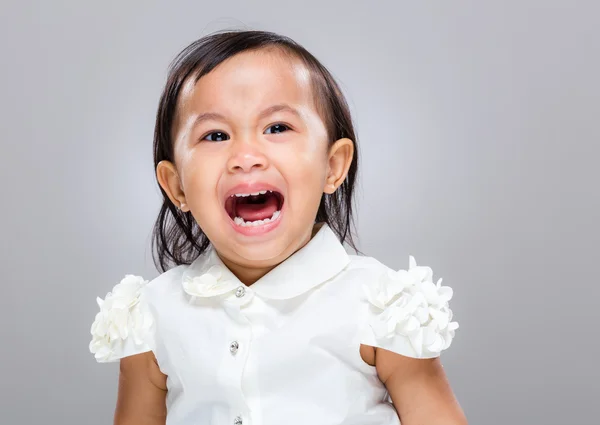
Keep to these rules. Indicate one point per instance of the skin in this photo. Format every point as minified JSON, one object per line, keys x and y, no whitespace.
{"x":296,"y":160}
{"x":253,"y":147}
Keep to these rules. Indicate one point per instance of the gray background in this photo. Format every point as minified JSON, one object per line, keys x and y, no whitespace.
{"x":478,"y":124}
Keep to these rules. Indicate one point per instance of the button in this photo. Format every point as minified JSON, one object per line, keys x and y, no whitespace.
{"x":233,"y":347}
{"x":237,"y":421}
{"x":240,"y":292}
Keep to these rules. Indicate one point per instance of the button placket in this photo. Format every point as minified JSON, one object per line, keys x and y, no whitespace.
{"x":234,"y":347}
{"x":238,"y":299}
{"x":240,"y":340}
{"x":241,"y":337}
{"x":240,"y":292}
{"x":237,"y":363}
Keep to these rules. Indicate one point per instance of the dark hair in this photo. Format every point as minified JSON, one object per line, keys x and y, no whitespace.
{"x":177,"y":238}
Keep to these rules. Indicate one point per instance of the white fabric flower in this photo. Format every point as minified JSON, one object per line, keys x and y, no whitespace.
{"x":120,"y":317}
{"x":209,"y":284}
{"x":410,"y":304}
{"x":387,"y":288}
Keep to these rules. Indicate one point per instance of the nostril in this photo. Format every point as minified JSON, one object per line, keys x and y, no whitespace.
{"x":246,"y":160}
{"x":242,"y":168}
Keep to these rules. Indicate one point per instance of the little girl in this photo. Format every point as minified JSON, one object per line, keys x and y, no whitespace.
{"x":260,"y":316}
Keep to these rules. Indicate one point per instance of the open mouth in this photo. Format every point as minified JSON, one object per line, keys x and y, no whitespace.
{"x":254,"y":209}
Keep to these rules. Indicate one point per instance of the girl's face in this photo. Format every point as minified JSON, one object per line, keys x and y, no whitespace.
{"x":250,"y":126}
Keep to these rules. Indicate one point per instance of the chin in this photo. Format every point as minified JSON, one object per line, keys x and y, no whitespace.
{"x":257,"y":251}
{"x":263,"y":243}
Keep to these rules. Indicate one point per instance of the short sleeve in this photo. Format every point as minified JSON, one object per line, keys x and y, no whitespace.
{"x":124,"y":326}
{"x":408,"y":314}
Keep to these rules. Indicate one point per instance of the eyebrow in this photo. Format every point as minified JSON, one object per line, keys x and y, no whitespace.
{"x":214,"y":116}
{"x":282,"y":107}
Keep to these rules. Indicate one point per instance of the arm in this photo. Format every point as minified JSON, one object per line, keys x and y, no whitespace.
{"x":419,"y":389}
{"x":142,"y":392}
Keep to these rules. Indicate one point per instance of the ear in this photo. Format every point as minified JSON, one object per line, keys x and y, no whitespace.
{"x":168,"y":178}
{"x":340,"y":158}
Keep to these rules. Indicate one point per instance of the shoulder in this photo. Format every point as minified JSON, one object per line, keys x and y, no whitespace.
{"x":367,"y":273}
{"x":125,"y":322}
{"x":365,"y":267}
{"x":164,"y":284}
{"x":360,"y":273}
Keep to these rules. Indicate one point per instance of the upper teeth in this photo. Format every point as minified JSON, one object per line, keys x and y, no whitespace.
{"x":241,"y":195}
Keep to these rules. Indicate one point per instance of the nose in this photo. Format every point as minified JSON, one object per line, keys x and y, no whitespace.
{"x":246,"y":157}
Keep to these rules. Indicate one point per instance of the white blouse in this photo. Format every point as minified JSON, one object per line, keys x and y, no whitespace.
{"x":284,"y":350}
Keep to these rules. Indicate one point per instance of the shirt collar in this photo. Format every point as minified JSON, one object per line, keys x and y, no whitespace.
{"x":319,"y":260}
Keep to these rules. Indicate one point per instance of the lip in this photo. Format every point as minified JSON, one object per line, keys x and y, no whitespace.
{"x":253,"y":187}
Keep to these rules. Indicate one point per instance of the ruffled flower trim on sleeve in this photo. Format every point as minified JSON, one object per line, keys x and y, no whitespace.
{"x":123,"y":324}
{"x":408,"y":303}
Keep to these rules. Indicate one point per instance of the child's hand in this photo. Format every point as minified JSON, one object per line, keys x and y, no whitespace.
{"x":142,"y":392}
{"x":419,"y":389}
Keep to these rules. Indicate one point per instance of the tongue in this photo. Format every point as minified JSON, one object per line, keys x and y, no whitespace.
{"x":253,"y":212}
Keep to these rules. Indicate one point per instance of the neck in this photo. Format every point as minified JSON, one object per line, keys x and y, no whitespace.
{"x":250,"y":274}
{"x":247,"y":275}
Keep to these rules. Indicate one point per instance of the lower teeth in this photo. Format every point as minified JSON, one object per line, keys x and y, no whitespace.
{"x":241,"y":222}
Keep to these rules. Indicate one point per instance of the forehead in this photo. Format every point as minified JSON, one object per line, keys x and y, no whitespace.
{"x":248,"y":82}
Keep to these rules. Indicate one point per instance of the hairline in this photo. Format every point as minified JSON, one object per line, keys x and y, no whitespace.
{"x":294,"y":58}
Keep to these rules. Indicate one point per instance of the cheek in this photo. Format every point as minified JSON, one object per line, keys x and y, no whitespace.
{"x":199,"y":176}
{"x":306,"y":169}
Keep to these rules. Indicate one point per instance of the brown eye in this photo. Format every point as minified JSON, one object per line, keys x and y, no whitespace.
{"x":217,"y":136}
{"x":277,"y":128}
